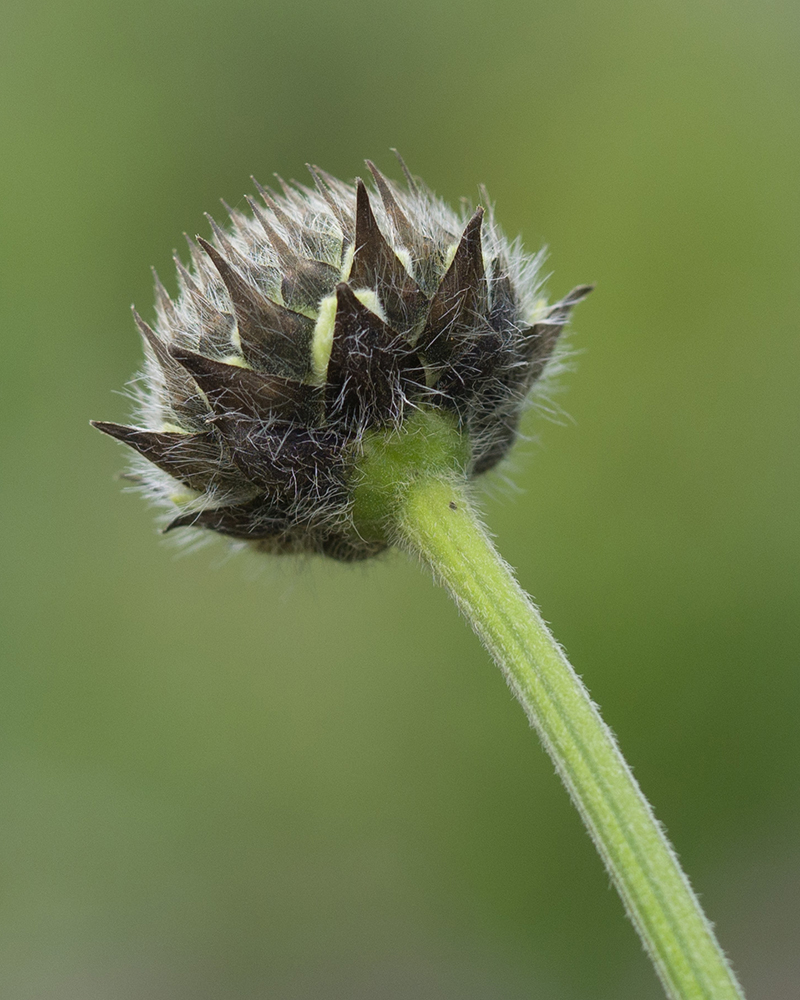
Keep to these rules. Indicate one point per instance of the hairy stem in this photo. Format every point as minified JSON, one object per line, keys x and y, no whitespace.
{"x":423,"y":505}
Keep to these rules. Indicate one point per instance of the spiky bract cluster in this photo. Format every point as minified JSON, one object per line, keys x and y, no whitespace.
{"x":325,"y":314}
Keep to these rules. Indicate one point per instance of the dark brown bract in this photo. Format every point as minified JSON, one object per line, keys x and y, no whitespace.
{"x":322,"y":315}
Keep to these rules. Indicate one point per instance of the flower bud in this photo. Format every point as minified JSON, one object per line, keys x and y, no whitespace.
{"x":322,"y":316}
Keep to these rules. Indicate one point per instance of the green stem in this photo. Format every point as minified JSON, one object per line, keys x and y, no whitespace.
{"x":423,"y":504}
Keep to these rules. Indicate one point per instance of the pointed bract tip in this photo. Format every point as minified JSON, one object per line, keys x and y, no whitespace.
{"x":410,"y":179}
{"x":120,"y":432}
{"x":144,"y":328}
{"x":211,"y":250}
{"x":578,"y":294}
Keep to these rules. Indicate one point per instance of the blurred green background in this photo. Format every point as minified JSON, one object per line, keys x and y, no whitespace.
{"x":237,"y":778}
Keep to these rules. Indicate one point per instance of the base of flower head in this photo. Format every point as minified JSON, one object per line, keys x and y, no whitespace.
{"x":429,"y":445}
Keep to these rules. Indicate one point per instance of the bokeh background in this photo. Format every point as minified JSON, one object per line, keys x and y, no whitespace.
{"x":240,"y":778}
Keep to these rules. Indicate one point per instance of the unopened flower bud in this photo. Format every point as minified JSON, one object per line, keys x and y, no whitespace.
{"x":321,"y":316}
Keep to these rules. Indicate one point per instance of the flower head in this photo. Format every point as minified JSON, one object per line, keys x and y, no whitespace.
{"x":323,"y":315}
